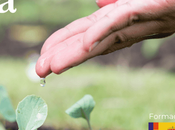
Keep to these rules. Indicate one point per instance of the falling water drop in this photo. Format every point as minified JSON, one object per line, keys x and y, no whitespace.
{"x":42,"y":82}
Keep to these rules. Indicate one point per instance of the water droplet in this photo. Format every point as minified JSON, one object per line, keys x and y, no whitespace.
{"x":42,"y":82}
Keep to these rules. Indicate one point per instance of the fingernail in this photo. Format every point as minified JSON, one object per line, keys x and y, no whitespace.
{"x":93,"y":46}
{"x":64,"y":70}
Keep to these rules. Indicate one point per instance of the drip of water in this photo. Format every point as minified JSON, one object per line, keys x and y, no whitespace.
{"x":42,"y":82}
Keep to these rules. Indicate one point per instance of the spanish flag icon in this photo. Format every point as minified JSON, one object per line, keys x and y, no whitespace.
{"x":161,"y":126}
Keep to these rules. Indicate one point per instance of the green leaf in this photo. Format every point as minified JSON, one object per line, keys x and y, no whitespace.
{"x":82,"y":108}
{"x":6,"y":108}
{"x":151,"y":47}
{"x":31,"y":113}
{"x":1,"y":126}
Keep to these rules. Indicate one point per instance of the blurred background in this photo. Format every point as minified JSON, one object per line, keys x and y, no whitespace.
{"x":127,"y":85}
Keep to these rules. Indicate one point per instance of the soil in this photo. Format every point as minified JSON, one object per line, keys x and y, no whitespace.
{"x":13,"y":126}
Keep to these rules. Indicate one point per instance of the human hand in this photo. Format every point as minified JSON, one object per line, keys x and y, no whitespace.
{"x":102,"y":3}
{"x":112,"y":27}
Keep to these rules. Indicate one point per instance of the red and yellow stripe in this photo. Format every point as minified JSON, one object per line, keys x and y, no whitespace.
{"x":161,"y":126}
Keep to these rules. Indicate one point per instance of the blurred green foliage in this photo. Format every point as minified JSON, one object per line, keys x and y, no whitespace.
{"x":6,"y":108}
{"x":151,"y":47}
{"x":124,"y":97}
{"x":48,"y":11}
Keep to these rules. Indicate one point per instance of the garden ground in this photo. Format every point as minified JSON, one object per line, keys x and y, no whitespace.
{"x":124,"y":97}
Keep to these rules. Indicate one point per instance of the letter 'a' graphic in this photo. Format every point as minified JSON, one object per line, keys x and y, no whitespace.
{"x":10,"y":4}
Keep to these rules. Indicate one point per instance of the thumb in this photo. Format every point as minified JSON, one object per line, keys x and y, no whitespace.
{"x":102,"y":3}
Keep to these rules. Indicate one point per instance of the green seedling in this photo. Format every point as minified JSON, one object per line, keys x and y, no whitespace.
{"x":6,"y":108}
{"x":31,"y":113}
{"x":82,"y":108}
{"x":1,"y":126}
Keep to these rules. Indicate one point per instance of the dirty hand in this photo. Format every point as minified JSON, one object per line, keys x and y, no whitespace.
{"x":111,"y":28}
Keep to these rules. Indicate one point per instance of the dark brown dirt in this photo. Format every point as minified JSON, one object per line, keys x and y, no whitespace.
{"x":13,"y":126}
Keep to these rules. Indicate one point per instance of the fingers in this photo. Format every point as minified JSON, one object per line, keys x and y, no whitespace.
{"x":71,"y":53}
{"x":119,"y":46}
{"x":124,"y":16}
{"x":76,"y":27}
{"x":117,"y":19}
{"x":102,"y":3}
{"x":43,"y":66}
{"x":55,"y":43}
{"x":130,"y":35}
{"x":73,"y":56}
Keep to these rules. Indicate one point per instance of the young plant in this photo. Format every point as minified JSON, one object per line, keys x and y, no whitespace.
{"x":1,"y":126}
{"x":31,"y":113}
{"x":6,"y":108}
{"x":82,"y":108}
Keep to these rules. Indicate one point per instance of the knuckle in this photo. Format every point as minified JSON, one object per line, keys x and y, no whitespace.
{"x":67,"y":29}
{"x":80,"y":40}
{"x":133,"y":18}
{"x":108,"y":16}
{"x":121,"y":38}
{"x":133,"y":14}
{"x":92,"y":18}
{"x":113,"y":29}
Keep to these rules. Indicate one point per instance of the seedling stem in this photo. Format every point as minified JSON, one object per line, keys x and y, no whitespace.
{"x":87,"y":120}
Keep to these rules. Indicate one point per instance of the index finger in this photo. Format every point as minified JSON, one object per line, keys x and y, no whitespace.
{"x":76,"y":27}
